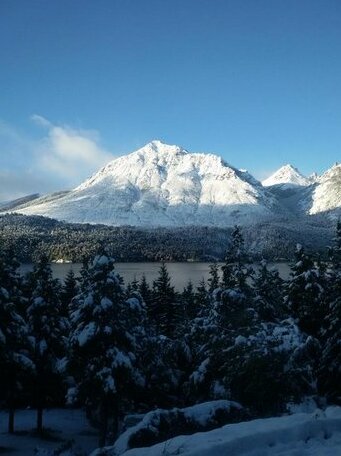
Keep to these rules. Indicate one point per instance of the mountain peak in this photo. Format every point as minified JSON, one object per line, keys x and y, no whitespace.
{"x":288,"y":175}
{"x":157,"y":143}
{"x":159,"y":147}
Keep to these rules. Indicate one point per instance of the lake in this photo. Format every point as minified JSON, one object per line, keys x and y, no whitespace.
{"x":180,"y":273}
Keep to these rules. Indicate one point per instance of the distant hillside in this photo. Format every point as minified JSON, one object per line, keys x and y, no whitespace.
{"x":30,"y":236}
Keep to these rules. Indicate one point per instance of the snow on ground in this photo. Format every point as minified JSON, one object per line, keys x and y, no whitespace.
{"x":64,"y":425}
{"x":302,"y":434}
{"x":200,"y":416}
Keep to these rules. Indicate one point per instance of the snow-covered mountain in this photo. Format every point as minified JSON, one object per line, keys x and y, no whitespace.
{"x":326,"y":195}
{"x":288,"y":175}
{"x":307,"y":195}
{"x":162,"y":185}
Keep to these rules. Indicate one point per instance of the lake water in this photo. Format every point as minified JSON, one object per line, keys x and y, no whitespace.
{"x":180,"y":273}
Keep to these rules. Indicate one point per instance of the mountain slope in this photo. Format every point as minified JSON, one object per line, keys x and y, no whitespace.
{"x":6,"y":206}
{"x":162,"y":185}
{"x":326,"y":195}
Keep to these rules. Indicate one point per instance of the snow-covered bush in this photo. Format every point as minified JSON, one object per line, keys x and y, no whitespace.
{"x":160,"y":425}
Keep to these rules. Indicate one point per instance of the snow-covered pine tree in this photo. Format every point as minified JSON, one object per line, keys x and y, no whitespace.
{"x":330,"y":365}
{"x":48,"y":330}
{"x":15,"y":364}
{"x":105,"y":340}
{"x":306,"y":292}
{"x":213,"y":280}
{"x":233,"y":303}
{"x":238,"y":356}
{"x":134,"y":284}
{"x":269,"y":365}
{"x":268,"y":288}
{"x":235,"y":271}
{"x":84,"y":274}
{"x":144,"y":290}
{"x":189,"y":301}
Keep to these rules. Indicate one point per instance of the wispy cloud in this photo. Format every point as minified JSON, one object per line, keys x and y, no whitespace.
{"x":60,"y":159}
{"x":69,"y":152}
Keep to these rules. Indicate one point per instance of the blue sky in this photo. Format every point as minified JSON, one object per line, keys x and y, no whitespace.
{"x":256,"y":81}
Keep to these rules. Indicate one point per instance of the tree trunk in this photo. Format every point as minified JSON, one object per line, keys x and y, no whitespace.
{"x":116,"y":417}
{"x":11,"y":420}
{"x":40,"y":420}
{"x":104,"y":425}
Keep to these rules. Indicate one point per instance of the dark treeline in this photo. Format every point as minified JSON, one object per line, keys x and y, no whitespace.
{"x":114,"y":349}
{"x":31,"y":236}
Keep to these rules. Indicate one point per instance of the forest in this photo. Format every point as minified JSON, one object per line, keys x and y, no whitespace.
{"x":31,"y":236}
{"x":114,"y":349}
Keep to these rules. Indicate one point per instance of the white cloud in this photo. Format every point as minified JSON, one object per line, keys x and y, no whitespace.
{"x":61,"y":159}
{"x":40,"y":120}
{"x":71,"y":153}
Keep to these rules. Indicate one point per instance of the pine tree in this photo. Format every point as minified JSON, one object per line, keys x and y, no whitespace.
{"x":164,"y":308}
{"x":213,"y":281}
{"x":268,"y":287}
{"x":144,"y":290}
{"x":335,"y":251}
{"x":84,"y":274}
{"x":202,"y":297}
{"x":306,"y":293}
{"x":15,"y":364}
{"x":134,"y":284}
{"x":105,"y":341}
{"x":189,"y":301}
{"x":235,"y":272}
{"x":69,"y":290}
{"x":48,"y":331}
{"x":329,"y":369}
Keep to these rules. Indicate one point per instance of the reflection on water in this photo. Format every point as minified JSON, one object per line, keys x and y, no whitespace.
{"x":180,"y":273}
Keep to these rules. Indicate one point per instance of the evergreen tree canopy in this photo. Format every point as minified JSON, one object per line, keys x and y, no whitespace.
{"x":164,"y":308}
{"x":48,"y":332}
{"x":15,"y":363}
{"x":330,"y":366}
{"x":69,"y":290}
{"x":268,"y":289}
{"x":306,"y":292}
{"x":213,"y":281}
{"x":235,"y":271}
{"x":105,"y":335}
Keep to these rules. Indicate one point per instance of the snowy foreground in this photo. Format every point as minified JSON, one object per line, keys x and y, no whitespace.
{"x":317,"y":433}
{"x":62,"y":426}
{"x":301,"y":434}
